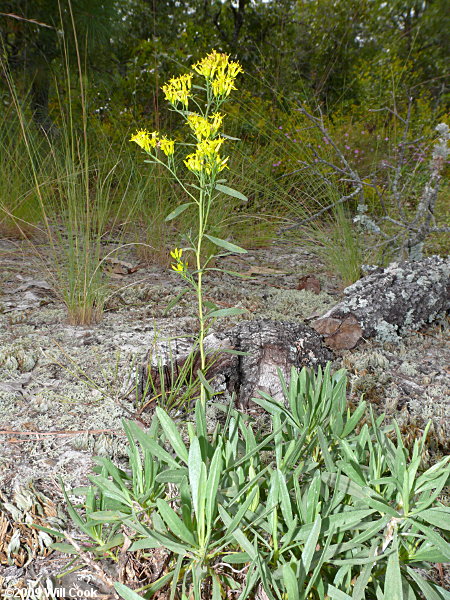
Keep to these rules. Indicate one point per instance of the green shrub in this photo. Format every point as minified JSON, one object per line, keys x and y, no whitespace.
{"x":324,"y":504}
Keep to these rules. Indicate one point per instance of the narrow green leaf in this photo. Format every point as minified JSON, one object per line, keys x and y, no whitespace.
{"x":212,"y":484}
{"x":238,"y":535}
{"x":229,"y":137}
{"x":107,"y":516}
{"x":149,"y":443}
{"x":363,"y":579}
{"x":205,"y":383}
{"x":336,"y":594}
{"x":231,"y":192}
{"x":174,"y":522}
{"x":175,"y":301}
{"x":226,"y":312}
{"x":227,"y":245}
{"x":435,"y":539}
{"x":285,"y":500}
{"x":393,"y":578}
{"x":290,"y":581}
{"x":429,"y":591}
{"x":439,"y":517}
{"x":64,"y":547}
{"x":172,"y":434}
{"x":155,"y":539}
{"x":311,"y":543}
{"x":195,"y":468}
{"x":179,"y":209}
{"x":126,"y":592}
{"x":354,"y":419}
{"x":237,"y":558}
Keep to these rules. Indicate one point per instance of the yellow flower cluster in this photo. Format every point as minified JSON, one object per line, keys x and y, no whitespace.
{"x":206,"y":157}
{"x":167,"y":146}
{"x":180,"y":266}
{"x":178,"y":89}
{"x":220,"y":71}
{"x":205,"y":128}
{"x":145,"y":140}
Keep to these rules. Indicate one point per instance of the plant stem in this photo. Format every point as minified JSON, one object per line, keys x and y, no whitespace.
{"x":201,"y":336}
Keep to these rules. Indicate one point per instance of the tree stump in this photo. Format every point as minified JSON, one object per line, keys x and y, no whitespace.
{"x":388,"y":303}
{"x":268,"y":345}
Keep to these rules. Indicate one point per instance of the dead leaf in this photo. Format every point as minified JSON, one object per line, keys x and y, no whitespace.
{"x":309,"y":282}
{"x":121,"y":267}
{"x":339,"y":334}
{"x":255,"y":270}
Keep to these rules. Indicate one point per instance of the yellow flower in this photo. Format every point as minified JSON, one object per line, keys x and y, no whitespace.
{"x":220,"y":71}
{"x":206,"y":158}
{"x":167,"y":146}
{"x":178,"y":89}
{"x":194,"y":163}
{"x":145,"y":140}
{"x":204,"y":128}
{"x":209,"y":147}
{"x":224,"y":82}
{"x":209,"y":65}
{"x":180,"y":266}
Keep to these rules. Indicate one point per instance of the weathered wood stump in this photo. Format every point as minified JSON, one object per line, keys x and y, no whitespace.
{"x":388,"y":303}
{"x":268,"y":345}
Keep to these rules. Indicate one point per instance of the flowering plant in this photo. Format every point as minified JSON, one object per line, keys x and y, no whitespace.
{"x":218,"y":74}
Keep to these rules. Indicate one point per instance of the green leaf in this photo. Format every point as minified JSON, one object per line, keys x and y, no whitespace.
{"x":174,"y":523}
{"x":231,"y":192}
{"x":393,"y":578}
{"x":175,"y":301}
{"x":285,"y":500}
{"x":205,"y":383}
{"x":126,"y":592}
{"x":227,"y":245}
{"x":439,"y":517}
{"x":354,"y":419}
{"x":226,"y":312}
{"x":172,"y":475}
{"x":363,"y":579}
{"x":290,"y":581}
{"x":429,"y":591}
{"x":311,"y":543}
{"x":64,"y":547}
{"x":110,"y":490}
{"x":336,"y":594}
{"x":155,"y":539}
{"x":172,"y":434}
{"x":212,"y":484}
{"x":237,"y":558}
{"x":229,"y":137}
{"x":179,"y":209}
{"x":52,"y":532}
{"x":435,"y":539}
{"x":238,"y":535}
{"x":195,"y":464}
{"x":108,"y":516}
{"x":149,"y":443}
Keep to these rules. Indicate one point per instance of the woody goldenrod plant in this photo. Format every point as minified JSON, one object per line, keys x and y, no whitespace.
{"x":204,"y":122}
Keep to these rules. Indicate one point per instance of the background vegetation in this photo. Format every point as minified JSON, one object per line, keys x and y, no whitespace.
{"x":79,"y":76}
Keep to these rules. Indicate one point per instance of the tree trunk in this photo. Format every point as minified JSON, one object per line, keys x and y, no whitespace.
{"x":388,"y":303}
{"x":267,"y":346}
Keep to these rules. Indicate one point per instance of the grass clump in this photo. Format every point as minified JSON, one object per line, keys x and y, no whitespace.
{"x":323,"y":504}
